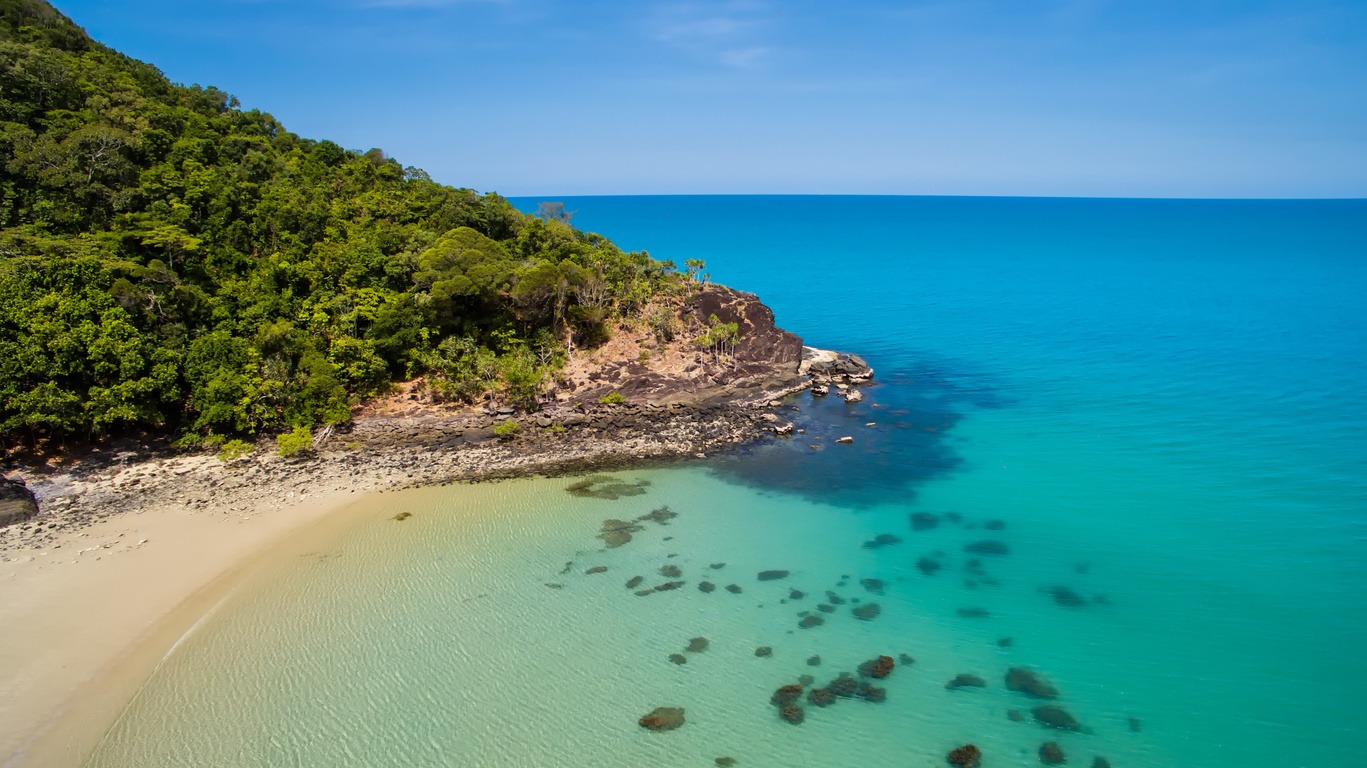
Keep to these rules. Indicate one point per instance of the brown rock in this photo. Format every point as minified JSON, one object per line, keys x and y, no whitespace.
{"x":663,"y":719}
{"x":967,"y":756}
{"x":1030,"y":683}
{"x":1050,"y":753}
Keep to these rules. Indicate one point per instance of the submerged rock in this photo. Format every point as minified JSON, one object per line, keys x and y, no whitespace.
{"x":1005,"y":642}
{"x":1066,"y":597}
{"x":785,"y":695}
{"x":967,"y":756}
{"x":644,"y":592}
{"x":717,"y":566}
{"x":663,"y":719}
{"x":833,"y":598}
{"x":697,"y":645}
{"x":792,"y":713}
{"x":988,"y":547}
{"x":1054,"y":716}
{"x":905,"y":659}
{"x":1015,"y":715}
{"x":615,"y":533}
{"x":706,"y":586}
{"x":668,"y":585}
{"x":1135,"y":725}
{"x":867,"y":611}
{"x":1100,"y":762}
{"x":810,"y":621}
{"x":772,"y":575}
{"x":873,"y":585}
{"x":805,"y":680}
{"x":733,"y":589}
{"x":1050,"y":753}
{"x":882,"y":540}
{"x":402,"y":516}
{"x":974,"y":613}
{"x":678,"y":658}
{"x":965,"y":681}
{"x":725,"y":762}
{"x":662,"y":515}
{"x":634,"y":582}
{"x":878,"y":668}
{"x":596,"y":569}
{"x":844,"y":686}
{"x":796,"y":594}
{"x":606,"y":487}
{"x":994,"y":525}
{"x":924,"y":521}
{"x":670,"y":571}
{"x":927,"y":566}
{"x":1030,"y":683}
{"x":813,"y":661}
{"x":764,"y":651}
{"x":820,"y":697}
{"x":826,"y":608}
{"x":871,"y":693}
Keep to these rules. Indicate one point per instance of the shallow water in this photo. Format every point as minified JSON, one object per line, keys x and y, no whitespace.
{"x":1162,"y":402}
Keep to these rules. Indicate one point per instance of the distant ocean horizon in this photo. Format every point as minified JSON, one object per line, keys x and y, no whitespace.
{"x":1121,"y":443}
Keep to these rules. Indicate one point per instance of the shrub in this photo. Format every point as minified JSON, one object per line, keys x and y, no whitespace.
{"x":234,"y":450}
{"x":506,"y":428}
{"x":612,"y":398}
{"x":292,"y":443}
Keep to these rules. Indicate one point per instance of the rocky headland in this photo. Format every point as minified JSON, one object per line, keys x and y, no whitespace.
{"x":677,"y":401}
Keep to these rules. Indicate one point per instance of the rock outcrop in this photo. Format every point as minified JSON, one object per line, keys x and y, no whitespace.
{"x":16,"y":501}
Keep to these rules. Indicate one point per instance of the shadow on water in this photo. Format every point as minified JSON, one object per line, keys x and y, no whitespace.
{"x":913,"y":409}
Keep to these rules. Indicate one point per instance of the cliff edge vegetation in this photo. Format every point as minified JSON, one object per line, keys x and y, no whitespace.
{"x":172,"y":262}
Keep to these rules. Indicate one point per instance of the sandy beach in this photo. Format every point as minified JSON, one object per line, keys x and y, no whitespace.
{"x":127,"y":557}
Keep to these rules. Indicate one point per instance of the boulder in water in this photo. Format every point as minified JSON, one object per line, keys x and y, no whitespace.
{"x":820,"y":697}
{"x":1054,"y":716}
{"x":928,"y":566}
{"x":772,"y":575}
{"x":878,"y":668}
{"x":867,"y":611}
{"x":1029,"y":682}
{"x":813,"y":661}
{"x":764,"y":651}
{"x":974,"y":613}
{"x":634,"y":582}
{"x":810,"y":621}
{"x":873,"y":585}
{"x":596,"y":569}
{"x":987,"y":547}
{"x":924,"y":521}
{"x":1066,"y":597}
{"x":786,"y":694}
{"x":882,"y":540}
{"x":706,"y":586}
{"x":1050,"y":753}
{"x":844,"y":686}
{"x":871,"y":693}
{"x":697,"y":645}
{"x":967,"y":756}
{"x":663,"y":719}
{"x":965,"y":680}
{"x":670,"y":571}
{"x":678,"y":658}
{"x":792,"y":713}
{"x":733,"y":589}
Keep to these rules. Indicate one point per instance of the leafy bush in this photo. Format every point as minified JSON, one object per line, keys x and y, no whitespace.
{"x":234,"y":450}
{"x":612,"y":398}
{"x":506,"y":428}
{"x":294,"y":442}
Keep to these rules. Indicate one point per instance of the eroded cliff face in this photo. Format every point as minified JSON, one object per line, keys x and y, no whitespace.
{"x":644,"y":368}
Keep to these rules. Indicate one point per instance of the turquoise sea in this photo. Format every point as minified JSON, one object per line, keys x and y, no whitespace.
{"x":1158,"y":409}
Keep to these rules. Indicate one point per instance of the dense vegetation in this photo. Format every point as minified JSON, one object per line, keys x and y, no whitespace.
{"x":169,"y":260}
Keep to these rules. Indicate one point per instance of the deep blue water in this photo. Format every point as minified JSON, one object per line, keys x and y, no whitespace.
{"x":1162,"y":402}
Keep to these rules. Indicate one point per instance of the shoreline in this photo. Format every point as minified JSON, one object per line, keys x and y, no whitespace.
{"x":85,"y":585}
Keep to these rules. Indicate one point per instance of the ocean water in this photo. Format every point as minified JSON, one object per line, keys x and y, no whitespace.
{"x":1160,"y":403}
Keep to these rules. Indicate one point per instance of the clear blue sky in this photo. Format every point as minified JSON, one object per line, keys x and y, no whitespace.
{"x":1184,"y":98}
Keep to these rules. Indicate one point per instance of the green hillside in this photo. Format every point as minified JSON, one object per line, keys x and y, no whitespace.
{"x":171,"y":261}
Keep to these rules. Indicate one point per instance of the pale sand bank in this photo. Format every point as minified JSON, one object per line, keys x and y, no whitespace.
{"x":87,"y":620}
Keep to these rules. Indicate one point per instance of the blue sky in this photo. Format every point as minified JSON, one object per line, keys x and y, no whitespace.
{"x":1197,"y":98}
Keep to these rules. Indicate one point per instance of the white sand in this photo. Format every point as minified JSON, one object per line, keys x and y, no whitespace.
{"x":84,"y":622}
